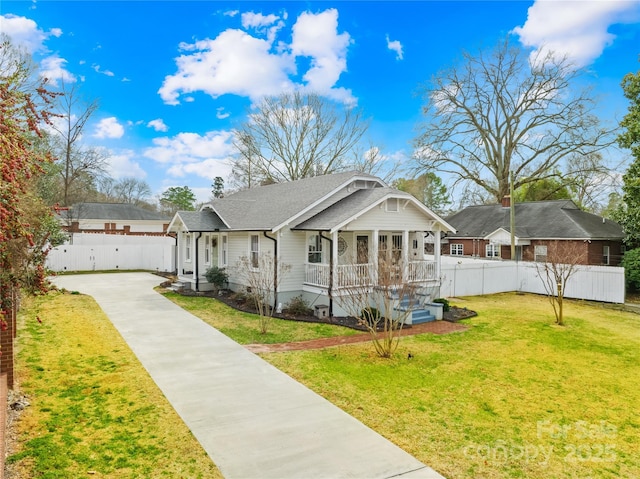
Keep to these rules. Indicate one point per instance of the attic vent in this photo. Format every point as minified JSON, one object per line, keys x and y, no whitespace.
{"x":359,"y":184}
{"x":392,"y":204}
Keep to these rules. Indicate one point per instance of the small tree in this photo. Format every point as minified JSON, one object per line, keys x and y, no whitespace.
{"x":561,"y":263}
{"x":262,"y":274}
{"x":218,"y":277}
{"x":382,"y":300}
{"x":631,"y":264}
{"x":217,"y":187}
{"x":178,"y":198}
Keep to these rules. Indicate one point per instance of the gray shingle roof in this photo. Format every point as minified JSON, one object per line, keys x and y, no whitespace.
{"x":113,"y":211}
{"x":346,"y":208}
{"x":560,"y":219}
{"x":266,"y":207}
{"x":205,"y":220}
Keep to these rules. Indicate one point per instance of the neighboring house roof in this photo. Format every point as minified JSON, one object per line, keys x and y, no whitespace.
{"x":560,"y":219}
{"x":111,"y":211}
{"x":318,"y":203}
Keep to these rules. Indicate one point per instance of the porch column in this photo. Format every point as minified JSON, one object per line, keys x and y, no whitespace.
{"x":194,"y":257}
{"x":334,"y":251}
{"x":436,"y":252}
{"x":374,"y":256}
{"x":405,"y":255}
{"x":179,"y":260}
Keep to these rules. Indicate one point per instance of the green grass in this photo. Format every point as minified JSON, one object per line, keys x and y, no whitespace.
{"x":244,"y":328}
{"x":514,"y":396}
{"x":94,"y":409}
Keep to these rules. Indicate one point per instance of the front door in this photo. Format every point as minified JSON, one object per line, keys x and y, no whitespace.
{"x":214,"y":250}
{"x":362,"y":243}
{"x":389,"y":257}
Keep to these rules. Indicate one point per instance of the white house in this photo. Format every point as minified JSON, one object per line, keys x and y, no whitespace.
{"x":331,"y":230}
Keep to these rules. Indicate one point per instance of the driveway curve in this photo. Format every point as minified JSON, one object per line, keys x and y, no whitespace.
{"x":253,"y":420}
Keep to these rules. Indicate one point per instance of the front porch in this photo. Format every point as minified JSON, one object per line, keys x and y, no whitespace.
{"x":348,"y":276}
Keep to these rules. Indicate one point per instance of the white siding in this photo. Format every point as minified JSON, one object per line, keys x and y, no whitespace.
{"x":407,"y":218}
{"x":137,"y":226}
{"x":292,"y":246}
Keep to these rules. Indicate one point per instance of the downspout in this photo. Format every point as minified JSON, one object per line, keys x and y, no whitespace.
{"x":175,"y":254}
{"x":196,"y":259}
{"x":275,"y":270}
{"x":330,"y":290}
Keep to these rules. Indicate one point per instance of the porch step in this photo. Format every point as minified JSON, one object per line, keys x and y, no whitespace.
{"x":177,"y":286}
{"x":407,"y":304}
{"x":419,"y":316}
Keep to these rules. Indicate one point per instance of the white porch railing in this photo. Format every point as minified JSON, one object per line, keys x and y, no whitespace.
{"x":317,"y":274}
{"x":421,"y":271}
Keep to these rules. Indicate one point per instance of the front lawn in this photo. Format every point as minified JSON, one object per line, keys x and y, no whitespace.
{"x":94,"y":412}
{"x":514,"y":396}
{"x":243,"y":327}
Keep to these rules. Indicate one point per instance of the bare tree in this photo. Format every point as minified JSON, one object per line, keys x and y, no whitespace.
{"x":563,"y":258}
{"x":591,"y":180}
{"x":373,"y":161}
{"x":502,"y":111}
{"x":294,"y":136}
{"x":80,"y":164}
{"x":261,"y":274}
{"x":382,"y":299}
{"x":132,"y":190}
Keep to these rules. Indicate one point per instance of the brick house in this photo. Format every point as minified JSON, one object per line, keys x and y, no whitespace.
{"x":484,"y":231}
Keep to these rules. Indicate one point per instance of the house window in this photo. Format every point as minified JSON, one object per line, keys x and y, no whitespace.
{"x":187,"y":247}
{"x":254,"y":251}
{"x":492,"y":251}
{"x":314,"y":247}
{"x":207,"y":251}
{"x":456,"y":249}
{"x":224,"y":250}
{"x":540,"y":253}
{"x":605,"y":255}
{"x":392,"y":204}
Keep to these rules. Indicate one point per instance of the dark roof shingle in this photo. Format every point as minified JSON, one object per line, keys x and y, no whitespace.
{"x":560,"y":219}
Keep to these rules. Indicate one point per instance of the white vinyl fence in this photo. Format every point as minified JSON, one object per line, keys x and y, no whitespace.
{"x":471,"y":277}
{"x":95,"y":252}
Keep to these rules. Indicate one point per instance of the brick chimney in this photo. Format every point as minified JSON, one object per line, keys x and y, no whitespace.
{"x":506,"y":201}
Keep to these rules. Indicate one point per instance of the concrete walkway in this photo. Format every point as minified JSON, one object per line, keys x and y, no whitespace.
{"x":253,"y":420}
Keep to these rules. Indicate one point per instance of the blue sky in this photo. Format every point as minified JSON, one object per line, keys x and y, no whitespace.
{"x":174,"y":78}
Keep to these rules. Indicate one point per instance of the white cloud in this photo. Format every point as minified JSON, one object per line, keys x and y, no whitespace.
{"x":238,"y":63}
{"x":578,"y":30}
{"x":258,"y":20}
{"x":316,"y":36}
{"x":108,"y":73}
{"x":265,"y":24}
{"x":52,"y":67}
{"x":395,"y":46}
{"x":109,"y":128}
{"x":24,"y":33}
{"x":235,"y":62}
{"x":121,"y":165}
{"x":221,"y":114}
{"x":206,"y":155}
{"x":158,"y":125}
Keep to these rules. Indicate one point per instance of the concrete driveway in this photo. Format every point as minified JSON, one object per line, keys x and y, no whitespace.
{"x":253,"y":420}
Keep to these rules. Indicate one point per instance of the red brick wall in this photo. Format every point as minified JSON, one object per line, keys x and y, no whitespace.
{"x":590,"y":252}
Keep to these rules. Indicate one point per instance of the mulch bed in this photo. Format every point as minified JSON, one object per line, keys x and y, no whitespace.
{"x":454,"y":314}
